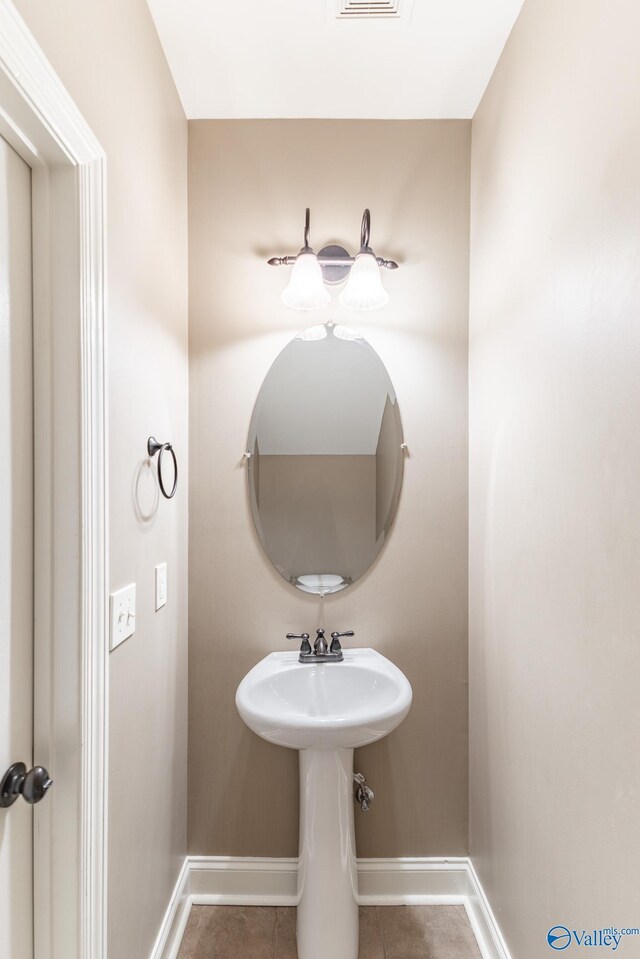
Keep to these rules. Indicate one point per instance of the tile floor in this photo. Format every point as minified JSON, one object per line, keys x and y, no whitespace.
{"x":386,"y":932}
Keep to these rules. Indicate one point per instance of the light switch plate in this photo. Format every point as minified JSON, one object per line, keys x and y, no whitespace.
{"x":161,"y":586}
{"x":122,"y":614}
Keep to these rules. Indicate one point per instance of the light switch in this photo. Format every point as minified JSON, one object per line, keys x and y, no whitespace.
{"x":161,"y":585}
{"x":122,"y":610}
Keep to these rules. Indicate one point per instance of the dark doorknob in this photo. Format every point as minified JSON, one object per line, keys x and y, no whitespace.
{"x":32,"y":785}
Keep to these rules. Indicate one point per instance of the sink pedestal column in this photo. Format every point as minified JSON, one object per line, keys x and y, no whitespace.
{"x":327,"y":921}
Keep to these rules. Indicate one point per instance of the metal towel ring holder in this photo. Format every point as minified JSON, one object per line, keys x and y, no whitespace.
{"x":153,"y":447}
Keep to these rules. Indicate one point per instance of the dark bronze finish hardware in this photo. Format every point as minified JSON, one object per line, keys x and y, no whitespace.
{"x":153,"y":447}
{"x":305,"y":646}
{"x":32,"y":785}
{"x":335,"y":640}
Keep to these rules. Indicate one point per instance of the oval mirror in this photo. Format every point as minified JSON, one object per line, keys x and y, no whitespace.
{"x":326,"y":459}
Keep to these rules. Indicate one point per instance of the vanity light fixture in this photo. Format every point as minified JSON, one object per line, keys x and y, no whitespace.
{"x":311,"y":274}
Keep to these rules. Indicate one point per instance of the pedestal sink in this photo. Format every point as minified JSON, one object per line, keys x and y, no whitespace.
{"x":325,"y":711}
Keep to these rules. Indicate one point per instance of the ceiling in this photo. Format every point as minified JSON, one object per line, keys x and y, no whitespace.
{"x":296,"y":58}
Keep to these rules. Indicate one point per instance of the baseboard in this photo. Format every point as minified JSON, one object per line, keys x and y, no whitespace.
{"x":403,"y":882}
{"x":482,"y":919}
{"x":173,"y":925}
{"x":229,"y":881}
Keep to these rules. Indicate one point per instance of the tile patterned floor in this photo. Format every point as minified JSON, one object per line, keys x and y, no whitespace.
{"x":386,"y":932}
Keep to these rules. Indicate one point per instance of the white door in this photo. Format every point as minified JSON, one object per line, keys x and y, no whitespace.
{"x":16,"y":548}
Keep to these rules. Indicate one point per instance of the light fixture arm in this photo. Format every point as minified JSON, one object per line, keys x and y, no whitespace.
{"x":342,"y":259}
{"x":307,"y":229}
{"x":365,"y":232}
{"x":331,"y":261}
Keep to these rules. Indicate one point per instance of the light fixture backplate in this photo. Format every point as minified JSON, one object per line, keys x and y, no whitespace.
{"x":333,"y":275}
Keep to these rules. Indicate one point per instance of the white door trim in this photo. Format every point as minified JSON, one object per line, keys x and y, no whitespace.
{"x":45,"y":127}
{"x":230,"y":881}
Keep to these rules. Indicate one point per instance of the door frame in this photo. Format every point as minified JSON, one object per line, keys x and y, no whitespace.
{"x":42,"y":123}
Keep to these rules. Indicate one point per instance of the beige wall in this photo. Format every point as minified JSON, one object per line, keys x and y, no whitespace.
{"x":249,"y":182}
{"x":109,"y":57}
{"x":555,"y":473}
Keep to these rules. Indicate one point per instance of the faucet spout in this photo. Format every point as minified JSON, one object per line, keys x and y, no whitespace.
{"x":321,"y":646}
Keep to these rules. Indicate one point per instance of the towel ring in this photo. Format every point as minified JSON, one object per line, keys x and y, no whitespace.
{"x":153,"y":447}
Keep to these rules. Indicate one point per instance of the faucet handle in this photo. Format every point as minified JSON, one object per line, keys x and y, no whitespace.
{"x":335,"y":640}
{"x":305,"y":646}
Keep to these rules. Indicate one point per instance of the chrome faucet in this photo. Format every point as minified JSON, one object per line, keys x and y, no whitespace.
{"x":321,"y":652}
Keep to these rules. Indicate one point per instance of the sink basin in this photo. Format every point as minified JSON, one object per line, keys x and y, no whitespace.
{"x":325,"y":710}
{"x":324,"y":706}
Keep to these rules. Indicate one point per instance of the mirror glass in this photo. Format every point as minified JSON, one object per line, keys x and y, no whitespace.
{"x":326,"y":459}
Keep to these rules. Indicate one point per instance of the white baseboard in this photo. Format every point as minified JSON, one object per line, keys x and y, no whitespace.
{"x":483,"y":922}
{"x":228,"y":881}
{"x":405,"y":882}
{"x":175,"y":918}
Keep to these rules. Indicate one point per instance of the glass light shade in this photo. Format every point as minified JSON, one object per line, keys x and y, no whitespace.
{"x":313,"y":333}
{"x":344,"y":333}
{"x":306,"y":289}
{"x":364,"y":289}
{"x":321,"y":583}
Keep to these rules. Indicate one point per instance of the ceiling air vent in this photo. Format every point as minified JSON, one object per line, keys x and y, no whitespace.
{"x":371,"y":9}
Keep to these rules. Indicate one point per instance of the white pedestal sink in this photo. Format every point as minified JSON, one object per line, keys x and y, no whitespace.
{"x":325,"y":710}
